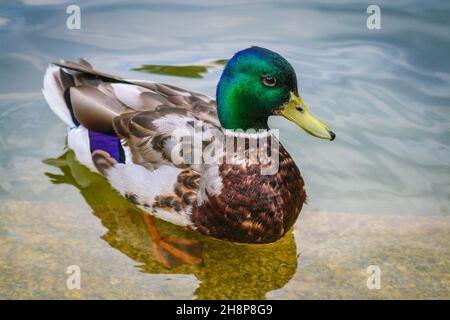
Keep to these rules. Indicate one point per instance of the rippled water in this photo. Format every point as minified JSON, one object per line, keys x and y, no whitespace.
{"x":386,"y":94}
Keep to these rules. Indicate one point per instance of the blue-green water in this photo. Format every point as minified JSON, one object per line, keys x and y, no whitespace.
{"x":386,"y":94}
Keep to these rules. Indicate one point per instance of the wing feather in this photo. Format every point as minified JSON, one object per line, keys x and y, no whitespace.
{"x":143,"y":113}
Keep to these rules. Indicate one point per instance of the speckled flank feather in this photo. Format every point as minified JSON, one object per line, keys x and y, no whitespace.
{"x":151,"y":190}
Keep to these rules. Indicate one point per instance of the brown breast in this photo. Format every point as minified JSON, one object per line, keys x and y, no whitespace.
{"x":253,"y":208}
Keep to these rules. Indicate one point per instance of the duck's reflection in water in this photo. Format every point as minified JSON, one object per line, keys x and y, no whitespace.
{"x":227,"y":271}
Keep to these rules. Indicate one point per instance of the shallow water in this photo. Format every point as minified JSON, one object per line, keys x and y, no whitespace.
{"x":384,"y":92}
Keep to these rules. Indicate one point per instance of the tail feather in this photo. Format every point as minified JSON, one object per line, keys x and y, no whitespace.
{"x":79,"y":94}
{"x":86,"y":70}
{"x":53,"y":90}
{"x":86,"y":101}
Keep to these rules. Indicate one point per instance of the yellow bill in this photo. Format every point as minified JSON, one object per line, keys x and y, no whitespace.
{"x":297,"y":112}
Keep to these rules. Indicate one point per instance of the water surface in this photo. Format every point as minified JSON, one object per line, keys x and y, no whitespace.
{"x":378,"y":194}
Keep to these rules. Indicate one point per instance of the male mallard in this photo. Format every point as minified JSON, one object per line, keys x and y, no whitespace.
{"x":123,"y":129}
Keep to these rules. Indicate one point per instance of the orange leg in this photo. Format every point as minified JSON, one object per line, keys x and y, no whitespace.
{"x":172,"y":251}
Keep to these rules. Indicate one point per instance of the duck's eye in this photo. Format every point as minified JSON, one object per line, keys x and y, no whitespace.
{"x":299,"y":108}
{"x":269,"y":81}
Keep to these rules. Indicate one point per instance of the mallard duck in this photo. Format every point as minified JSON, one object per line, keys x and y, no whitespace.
{"x":123,"y":130}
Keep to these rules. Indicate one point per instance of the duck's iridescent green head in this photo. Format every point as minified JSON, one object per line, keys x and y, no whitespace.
{"x":257,"y":83}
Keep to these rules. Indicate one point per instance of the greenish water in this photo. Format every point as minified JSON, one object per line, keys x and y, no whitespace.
{"x":378,"y":194}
